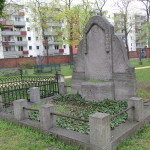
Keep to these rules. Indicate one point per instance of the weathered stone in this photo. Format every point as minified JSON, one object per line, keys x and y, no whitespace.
{"x":92,"y":90}
{"x":19,"y":112}
{"x":62,"y":88}
{"x":35,"y":95}
{"x":137,"y":113}
{"x":100,"y":134}
{"x":102,"y":56}
{"x":47,"y":120}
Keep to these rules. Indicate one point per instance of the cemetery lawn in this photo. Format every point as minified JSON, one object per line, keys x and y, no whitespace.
{"x":15,"y":137}
{"x":139,"y":141}
{"x":135,"y":62}
{"x":143,"y":83}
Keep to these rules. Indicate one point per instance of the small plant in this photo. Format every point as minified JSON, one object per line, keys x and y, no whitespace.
{"x":26,"y":65}
{"x":96,"y":80}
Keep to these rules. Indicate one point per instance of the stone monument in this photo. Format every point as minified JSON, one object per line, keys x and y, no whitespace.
{"x":102,"y":58}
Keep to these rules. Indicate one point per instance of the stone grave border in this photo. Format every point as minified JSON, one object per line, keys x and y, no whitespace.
{"x":100,"y":137}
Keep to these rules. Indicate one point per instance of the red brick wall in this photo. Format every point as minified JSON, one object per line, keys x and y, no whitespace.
{"x":148,"y":52}
{"x":133,"y":54}
{"x":14,"y":62}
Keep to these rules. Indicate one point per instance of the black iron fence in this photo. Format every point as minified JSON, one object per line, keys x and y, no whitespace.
{"x":14,"y":88}
{"x":49,"y":68}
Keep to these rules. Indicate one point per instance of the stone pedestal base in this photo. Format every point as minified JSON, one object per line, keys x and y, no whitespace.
{"x":97,"y":91}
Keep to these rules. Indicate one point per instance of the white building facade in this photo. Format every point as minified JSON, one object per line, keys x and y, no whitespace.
{"x":18,"y":37}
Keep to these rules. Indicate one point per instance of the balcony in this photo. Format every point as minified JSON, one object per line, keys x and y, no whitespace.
{"x":55,"y":24}
{"x":25,"y":52}
{"x":52,"y":52}
{"x":22,"y":43}
{"x":15,"y":23}
{"x":13,"y":32}
{"x":53,"y":43}
{"x":10,"y":54}
{"x":50,"y":33}
{"x":8,"y":43}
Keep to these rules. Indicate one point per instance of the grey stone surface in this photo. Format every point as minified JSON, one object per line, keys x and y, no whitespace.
{"x":62,"y":88}
{"x":119,"y":134}
{"x":1,"y":105}
{"x":97,"y":91}
{"x":102,"y":56}
{"x":35,"y":95}
{"x":100,"y":134}
{"x":47,"y":120}
{"x":136,"y":114}
{"x":60,"y":78}
{"x":19,"y":112}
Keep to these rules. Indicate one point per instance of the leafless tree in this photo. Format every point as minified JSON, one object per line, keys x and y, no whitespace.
{"x":125,"y":21}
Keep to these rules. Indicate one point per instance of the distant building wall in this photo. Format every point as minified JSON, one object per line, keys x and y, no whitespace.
{"x":14,"y":62}
{"x":135,"y":54}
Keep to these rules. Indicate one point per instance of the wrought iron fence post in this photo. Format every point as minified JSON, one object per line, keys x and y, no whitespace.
{"x":21,"y":72}
{"x":56,"y":76}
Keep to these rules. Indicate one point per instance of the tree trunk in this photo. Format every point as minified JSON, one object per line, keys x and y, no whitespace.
{"x":126,"y":43}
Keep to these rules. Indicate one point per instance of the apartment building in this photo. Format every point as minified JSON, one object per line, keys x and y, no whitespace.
{"x":135,"y":23}
{"x":20,"y":39}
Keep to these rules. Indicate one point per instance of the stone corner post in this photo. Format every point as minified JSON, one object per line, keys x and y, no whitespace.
{"x":35,"y":94}
{"x":1,"y":104}
{"x":100,"y":133}
{"x":137,"y":113}
{"x":19,"y":112}
{"x":47,"y":121}
{"x":62,"y":84}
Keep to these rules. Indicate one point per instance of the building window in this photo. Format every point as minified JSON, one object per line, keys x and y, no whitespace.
{"x":37,"y":47}
{"x":7,"y":38}
{"x":27,"y":19}
{"x":19,"y":38}
{"x":28,"y":28}
{"x":30,"y":47}
{"x":17,"y":18}
{"x":56,"y":47}
{"x":46,"y":47}
{"x":7,"y":49}
{"x":131,"y":44}
{"x":29,"y":38}
{"x":64,"y":46}
{"x":45,"y":38}
{"x":20,"y":48}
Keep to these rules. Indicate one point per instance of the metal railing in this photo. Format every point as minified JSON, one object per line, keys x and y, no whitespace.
{"x":122,"y":112}
{"x":146,"y":103}
{"x":14,"y":88}
{"x":33,"y":114}
{"x":71,"y":117}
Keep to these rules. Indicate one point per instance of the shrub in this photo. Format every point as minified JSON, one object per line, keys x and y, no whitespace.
{"x":26,"y":65}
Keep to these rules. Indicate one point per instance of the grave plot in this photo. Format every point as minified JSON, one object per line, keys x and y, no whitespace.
{"x":13,"y":88}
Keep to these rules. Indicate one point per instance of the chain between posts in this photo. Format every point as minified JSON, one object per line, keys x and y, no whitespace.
{"x":71,"y":117}
{"x":30,"y":109}
{"x":6,"y":103}
{"x":120,"y":113}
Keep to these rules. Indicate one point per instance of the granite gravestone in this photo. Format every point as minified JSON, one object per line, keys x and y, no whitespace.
{"x":102,"y":58}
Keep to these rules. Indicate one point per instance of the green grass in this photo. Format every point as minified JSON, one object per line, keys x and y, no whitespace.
{"x":143,"y":83}
{"x":139,"y":141}
{"x":96,"y":80}
{"x":75,"y":105}
{"x":15,"y":137}
{"x":66,"y":70}
{"x":135,"y":62}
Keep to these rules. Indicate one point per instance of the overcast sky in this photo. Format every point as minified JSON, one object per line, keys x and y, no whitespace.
{"x":136,"y":6}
